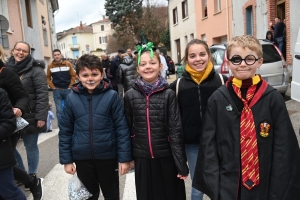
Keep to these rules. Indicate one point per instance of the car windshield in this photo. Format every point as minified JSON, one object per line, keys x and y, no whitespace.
{"x":217,"y":55}
{"x":270,"y":54}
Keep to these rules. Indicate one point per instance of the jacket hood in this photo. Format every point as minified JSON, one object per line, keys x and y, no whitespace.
{"x":127,"y":60}
{"x":104,"y":86}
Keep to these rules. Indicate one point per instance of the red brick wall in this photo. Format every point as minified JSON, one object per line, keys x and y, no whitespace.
{"x":246,"y":5}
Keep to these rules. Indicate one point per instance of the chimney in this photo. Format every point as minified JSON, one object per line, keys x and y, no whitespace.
{"x":103,"y":16}
{"x":81,"y":26}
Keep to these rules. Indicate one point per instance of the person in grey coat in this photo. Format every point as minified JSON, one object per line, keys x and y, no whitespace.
{"x":33,"y":78}
{"x":127,"y":72}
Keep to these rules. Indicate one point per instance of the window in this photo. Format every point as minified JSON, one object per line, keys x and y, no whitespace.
{"x":184,"y":6}
{"x":102,"y":27}
{"x":102,"y":40}
{"x":3,"y":28}
{"x":217,"y":5}
{"x":191,"y":36}
{"x":249,"y":25}
{"x":28,"y":13}
{"x":203,"y":37}
{"x":204,"y":8}
{"x":175,"y":16}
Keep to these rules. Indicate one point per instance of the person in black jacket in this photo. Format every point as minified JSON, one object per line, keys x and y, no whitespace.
{"x":10,"y":82}
{"x":157,"y":140}
{"x":197,"y":84}
{"x":278,"y":33}
{"x":248,"y":147}
{"x":127,"y":71}
{"x":8,"y":189}
{"x":33,"y":77}
{"x":97,"y":136}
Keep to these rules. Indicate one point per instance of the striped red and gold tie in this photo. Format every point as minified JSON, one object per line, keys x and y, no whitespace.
{"x":248,"y":141}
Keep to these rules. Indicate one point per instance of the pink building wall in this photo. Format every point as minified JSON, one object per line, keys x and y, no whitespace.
{"x":217,"y":26}
{"x":15,"y":23}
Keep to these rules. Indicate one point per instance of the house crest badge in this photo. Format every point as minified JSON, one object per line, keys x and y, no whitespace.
{"x":264,"y":129}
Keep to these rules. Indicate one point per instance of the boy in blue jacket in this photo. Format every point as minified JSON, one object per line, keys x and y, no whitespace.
{"x":93,"y":131}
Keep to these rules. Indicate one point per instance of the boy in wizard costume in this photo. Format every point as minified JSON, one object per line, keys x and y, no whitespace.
{"x":248,"y":149}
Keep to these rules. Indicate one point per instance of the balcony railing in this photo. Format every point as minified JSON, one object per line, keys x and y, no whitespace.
{"x":74,"y":47}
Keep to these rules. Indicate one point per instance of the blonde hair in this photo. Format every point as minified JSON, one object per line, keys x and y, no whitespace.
{"x":245,"y":41}
{"x":2,"y":54}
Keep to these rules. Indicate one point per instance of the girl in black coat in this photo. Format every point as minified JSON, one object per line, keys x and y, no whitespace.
{"x":157,"y":140}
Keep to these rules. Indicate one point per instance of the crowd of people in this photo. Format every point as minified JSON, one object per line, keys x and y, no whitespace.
{"x":232,"y":136}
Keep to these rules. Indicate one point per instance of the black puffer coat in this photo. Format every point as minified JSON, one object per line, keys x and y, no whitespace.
{"x":10,"y":82}
{"x":7,"y":127}
{"x":127,"y":71}
{"x":192,"y":100}
{"x":155,"y":126}
{"x":33,"y":78}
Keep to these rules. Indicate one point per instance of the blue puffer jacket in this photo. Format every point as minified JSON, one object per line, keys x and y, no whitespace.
{"x":93,"y":126}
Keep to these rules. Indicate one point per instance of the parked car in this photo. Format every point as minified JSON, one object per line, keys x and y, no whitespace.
{"x":274,"y":68}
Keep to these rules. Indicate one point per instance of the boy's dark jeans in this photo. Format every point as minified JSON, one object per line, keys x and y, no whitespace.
{"x":93,"y":173}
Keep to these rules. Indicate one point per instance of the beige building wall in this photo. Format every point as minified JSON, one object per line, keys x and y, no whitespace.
{"x":42,"y":12}
{"x":183,"y":29}
{"x":214,"y":20}
{"x":83,"y":39}
{"x":98,"y":33}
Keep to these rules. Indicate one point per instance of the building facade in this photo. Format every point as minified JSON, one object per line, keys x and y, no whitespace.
{"x":24,"y":20}
{"x":256,"y":15}
{"x":182,"y":26}
{"x":214,"y":20}
{"x":75,"y":42}
{"x":210,"y":21}
{"x":101,"y":32}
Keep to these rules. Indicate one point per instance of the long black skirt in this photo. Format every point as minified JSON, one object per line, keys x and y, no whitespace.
{"x":156,"y":179}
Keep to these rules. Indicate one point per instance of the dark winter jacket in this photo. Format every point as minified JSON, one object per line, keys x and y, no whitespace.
{"x":7,"y":127}
{"x":192,"y":100}
{"x":127,"y":71}
{"x":10,"y":82}
{"x":113,"y":71}
{"x":60,"y":74}
{"x":155,"y":125}
{"x":93,"y":126}
{"x":218,"y":170}
{"x":33,"y":78}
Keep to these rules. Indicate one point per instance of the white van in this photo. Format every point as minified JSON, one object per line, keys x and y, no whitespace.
{"x":295,"y":86}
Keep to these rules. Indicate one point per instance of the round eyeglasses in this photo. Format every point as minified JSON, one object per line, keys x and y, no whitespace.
{"x":237,"y":60}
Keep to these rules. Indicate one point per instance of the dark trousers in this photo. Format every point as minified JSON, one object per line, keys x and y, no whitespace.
{"x":20,"y":174}
{"x":157,"y":179}
{"x":93,"y":173}
{"x":8,"y":189}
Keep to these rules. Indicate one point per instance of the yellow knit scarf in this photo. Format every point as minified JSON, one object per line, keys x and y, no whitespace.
{"x":198,"y":77}
{"x":239,"y":83}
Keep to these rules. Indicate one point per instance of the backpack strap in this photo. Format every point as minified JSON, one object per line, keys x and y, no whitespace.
{"x":177,"y":87}
{"x":222,"y":79}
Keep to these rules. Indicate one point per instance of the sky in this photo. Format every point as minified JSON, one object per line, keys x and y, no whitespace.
{"x":71,"y":12}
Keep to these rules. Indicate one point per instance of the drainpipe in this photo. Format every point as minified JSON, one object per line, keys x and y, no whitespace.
{"x":227,"y":21}
{"x":21,"y":20}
